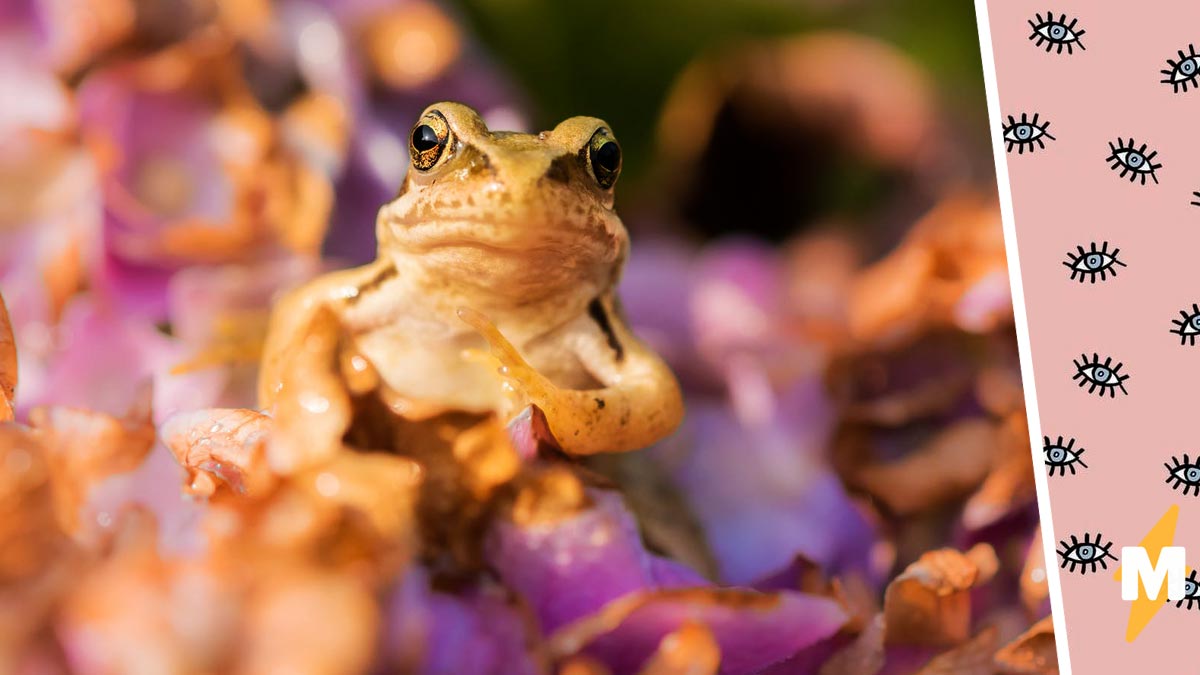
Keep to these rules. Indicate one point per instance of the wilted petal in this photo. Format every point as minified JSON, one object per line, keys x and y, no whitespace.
{"x":929,"y":604}
{"x":84,"y":448}
{"x":8,"y":365}
{"x":763,"y":494}
{"x":1032,"y":653}
{"x":282,"y":633}
{"x":474,"y":631}
{"x":691,"y":650}
{"x":753,"y":630}
{"x":220,"y":444}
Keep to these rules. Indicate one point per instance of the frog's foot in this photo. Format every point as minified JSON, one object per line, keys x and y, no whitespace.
{"x":522,"y":382}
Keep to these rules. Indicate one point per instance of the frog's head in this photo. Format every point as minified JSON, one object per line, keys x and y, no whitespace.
{"x":518,"y":213}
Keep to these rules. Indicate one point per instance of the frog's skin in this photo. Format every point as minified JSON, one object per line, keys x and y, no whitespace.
{"x":505,"y":241}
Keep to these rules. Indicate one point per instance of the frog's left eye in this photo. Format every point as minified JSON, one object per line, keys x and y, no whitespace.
{"x":429,"y":139}
{"x":604,"y":158}
{"x":1191,"y":592}
{"x":1087,"y":554}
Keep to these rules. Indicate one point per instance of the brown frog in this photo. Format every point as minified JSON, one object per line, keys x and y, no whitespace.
{"x":494,"y":286}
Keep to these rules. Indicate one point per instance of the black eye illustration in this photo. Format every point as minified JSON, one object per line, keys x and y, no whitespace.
{"x":1189,"y":328}
{"x":1086,"y":554}
{"x":1133,"y":163}
{"x":1191,"y":592}
{"x":1197,"y":196}
{"x":1025,"y":133}
{"x":1061,"y":457}
{"x":1183,"y":73}
{"x":1185,"y":474}
{"x":1089,"y":264}
{"x":1056,"y":32}
{"x":1104,"y":377}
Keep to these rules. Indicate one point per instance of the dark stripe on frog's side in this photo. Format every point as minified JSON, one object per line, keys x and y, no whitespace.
{"x":383,"y":276}
{"x":600,"y":316}
{"x":560,"y":169}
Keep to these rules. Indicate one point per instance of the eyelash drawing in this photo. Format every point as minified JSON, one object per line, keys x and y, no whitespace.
{"x":1089,"y":264}
{"x":1062,"y":457}
{"x":1185,"y":474}
{"x":1133,"y":163}
{"x":1103,"y":376}
{"x":1025,"y":133}
{"x":1189,"y":328}
{"x":1197,"y":196}
{"x":1184,"y":72}
{"x":1087,"y":554}
{"x":1191,"y":592}
{"x":1056,"y":32}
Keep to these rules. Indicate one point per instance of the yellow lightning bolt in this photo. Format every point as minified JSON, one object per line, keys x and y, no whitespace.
{"x":1143,"y":609}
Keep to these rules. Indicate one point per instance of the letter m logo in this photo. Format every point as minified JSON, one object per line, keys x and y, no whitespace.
{"x":1137,"y":569}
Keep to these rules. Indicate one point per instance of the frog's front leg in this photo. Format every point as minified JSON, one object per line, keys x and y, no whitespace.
{"x":640,"y":401}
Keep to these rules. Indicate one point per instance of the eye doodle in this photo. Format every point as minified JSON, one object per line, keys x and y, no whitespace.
{"x":1104,"y":377}
{"x":1025,"y":133}
{"x":1189,"y":328}
{"x":1197,"y":196}
{"x":1056,"y":32}
{"x":1089,"y":264}
{"x":1184,"y":72}
{"x":1133,"y":163}
{"x":1061,"y":457}
{"x":1087,"y":554}
{"x":1185,"y":474}
{"x":1191,"y":592}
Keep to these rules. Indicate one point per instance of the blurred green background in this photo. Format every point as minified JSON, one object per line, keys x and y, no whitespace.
{"x":617,"y":59}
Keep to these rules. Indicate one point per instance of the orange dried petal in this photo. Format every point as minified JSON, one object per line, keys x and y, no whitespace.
{"x":228,"y":444}
{"x":690,"y":650}
{"x":86,"y":447}
{"x":929,"y":603}
{"x":8,"y":364}
{"x":1032,"y":653}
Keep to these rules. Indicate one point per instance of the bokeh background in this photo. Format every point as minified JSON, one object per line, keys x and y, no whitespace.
{"x":817,"y":252}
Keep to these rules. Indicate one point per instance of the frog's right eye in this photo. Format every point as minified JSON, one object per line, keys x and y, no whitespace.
{"x":429,"y":139}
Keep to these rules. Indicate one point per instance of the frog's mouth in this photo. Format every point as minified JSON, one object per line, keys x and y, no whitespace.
{"x":570,"y":245}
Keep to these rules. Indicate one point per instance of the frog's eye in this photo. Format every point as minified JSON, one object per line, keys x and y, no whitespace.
{"x":1189,"y":327}
{"x":429,"y":139}
{"x":1089,"y":264}
{"x":604,"y":158}
{"x":1105,"y":377}
{"x":1060,"y":457}
{"x":1185,"y":474}
{"x":1133,"y":162}
{"x":1191,"y":591}
{"x":1185,"y":72}
{"x":1087,"y":554}
{"x":1054,"y":32}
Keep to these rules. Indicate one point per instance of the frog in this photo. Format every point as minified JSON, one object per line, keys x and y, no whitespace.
{"x":494,"y":287}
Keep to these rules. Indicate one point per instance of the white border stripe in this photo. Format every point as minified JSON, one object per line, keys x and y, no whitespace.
{"x":1022,"y":324}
